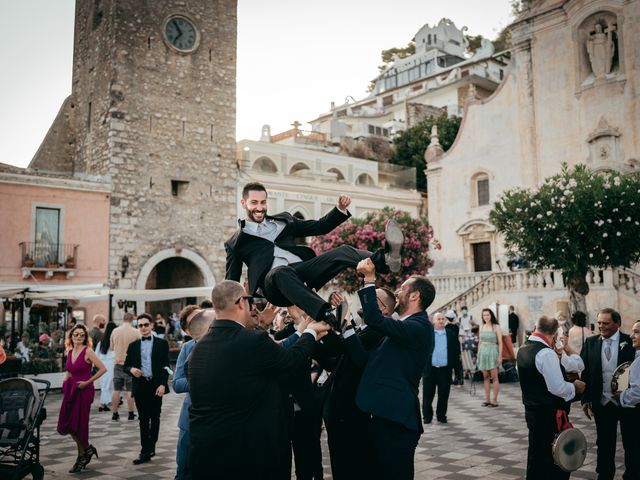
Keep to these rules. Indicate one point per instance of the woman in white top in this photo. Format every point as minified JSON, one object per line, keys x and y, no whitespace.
{"x":107,"y":356}
{"x":579,"y":332}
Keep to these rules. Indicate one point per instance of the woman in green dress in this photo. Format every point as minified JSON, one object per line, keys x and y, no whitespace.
{"x":489,"y":355}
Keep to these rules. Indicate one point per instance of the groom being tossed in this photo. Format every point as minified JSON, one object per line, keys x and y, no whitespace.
{"x":286,"y":273}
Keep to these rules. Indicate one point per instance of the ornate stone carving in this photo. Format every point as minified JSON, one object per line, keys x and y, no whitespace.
{"x":604,"y":144}
{"x":601,"y":48}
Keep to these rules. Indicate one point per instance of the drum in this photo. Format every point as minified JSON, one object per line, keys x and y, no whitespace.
{"x":620,"y":380}
{"x":569,"y":449}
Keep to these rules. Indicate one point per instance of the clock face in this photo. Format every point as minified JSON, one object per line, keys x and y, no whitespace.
{"x":181,"y":34}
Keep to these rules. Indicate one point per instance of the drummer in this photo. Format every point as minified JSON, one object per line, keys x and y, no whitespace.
{"x":630,"y":398}
{"x":545,"y":392}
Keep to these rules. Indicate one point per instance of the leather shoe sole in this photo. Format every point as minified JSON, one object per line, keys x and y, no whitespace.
{"x":394,"y":239}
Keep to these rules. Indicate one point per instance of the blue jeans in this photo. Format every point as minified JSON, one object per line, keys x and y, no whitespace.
{"x":182,"y":456}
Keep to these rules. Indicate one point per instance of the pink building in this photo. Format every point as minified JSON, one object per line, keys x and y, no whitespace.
{"x":55,"y":236}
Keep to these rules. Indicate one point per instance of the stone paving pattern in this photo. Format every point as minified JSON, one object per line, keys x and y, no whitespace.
{"x":476,"y":443}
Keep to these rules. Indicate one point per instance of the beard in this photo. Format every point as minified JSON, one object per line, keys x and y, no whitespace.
{"x":257,"y":215}
{"x":401,"y":307}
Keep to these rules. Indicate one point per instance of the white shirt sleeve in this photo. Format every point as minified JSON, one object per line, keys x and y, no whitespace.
{"x":548,"y":365}
{"x":572,"y":363}
{"x":312,"y":332}
{"x":631,"y":396}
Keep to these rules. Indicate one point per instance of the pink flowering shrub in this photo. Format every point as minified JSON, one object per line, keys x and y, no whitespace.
{"x":368,"y":234}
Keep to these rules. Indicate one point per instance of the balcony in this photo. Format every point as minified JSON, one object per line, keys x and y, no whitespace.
{"x":49,"y":258}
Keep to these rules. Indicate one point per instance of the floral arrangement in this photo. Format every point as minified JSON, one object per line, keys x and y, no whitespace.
{"x":368,"y":234}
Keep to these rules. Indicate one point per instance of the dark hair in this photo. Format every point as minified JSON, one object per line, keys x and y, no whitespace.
{"x":579,"y":319}
{"x":253,"y":186}
{"x":390,"y":296}
{"x":106,"y":338}
{"x":425,"y":288}
{"x":145,"y":315}
{"x":615,"y":316}
{"x":184,"y":314}
{"x":546,"y":325}
{"x":78,"y":326}
{"x":494,"y":320}
{"x":206,"y":303}
{"x":128,"y":317}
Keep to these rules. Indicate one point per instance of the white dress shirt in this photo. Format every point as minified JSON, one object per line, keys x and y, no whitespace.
{"x":609,"y":366}
{"x":269,"y":229}
{"x":631,"y":396}
{"x":548,"y":365}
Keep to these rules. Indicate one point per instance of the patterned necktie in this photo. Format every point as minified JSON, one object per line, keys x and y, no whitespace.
{"x":607,"y":349}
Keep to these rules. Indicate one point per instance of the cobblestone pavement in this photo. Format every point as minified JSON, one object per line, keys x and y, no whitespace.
{"x":477,"y":442}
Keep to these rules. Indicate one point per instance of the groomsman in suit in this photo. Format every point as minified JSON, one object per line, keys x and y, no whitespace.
{"x":437,"y":372}
{"x":238,"y":419}
{"x":388,"y":390}
{"x":601,"y":355}
{"x":148,"y":362}
{"x":286,"y":273}
{"x":630,"y":398}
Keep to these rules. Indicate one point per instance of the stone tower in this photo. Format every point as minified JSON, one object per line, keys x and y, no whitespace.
{"x":152,"y":111}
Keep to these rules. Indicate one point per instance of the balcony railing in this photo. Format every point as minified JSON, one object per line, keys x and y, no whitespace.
{"x":48,"y":255}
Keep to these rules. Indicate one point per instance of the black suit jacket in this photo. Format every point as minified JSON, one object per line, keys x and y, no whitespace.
{"x":159,"y":360}
{"x":389,"y":385}
{"x":257,"y":253}
{"x":591,"y":356}
{"x":238,"y":418}
{"x":453,"y":351}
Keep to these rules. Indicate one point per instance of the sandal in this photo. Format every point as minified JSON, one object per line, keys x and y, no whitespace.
{"x":486,"y":404}
{"x":493,"y":405}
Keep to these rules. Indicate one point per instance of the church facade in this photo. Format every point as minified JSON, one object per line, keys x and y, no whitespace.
{"x":569,"y":96}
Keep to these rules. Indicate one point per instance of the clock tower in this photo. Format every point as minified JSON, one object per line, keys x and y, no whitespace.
{"x":152,"y":111}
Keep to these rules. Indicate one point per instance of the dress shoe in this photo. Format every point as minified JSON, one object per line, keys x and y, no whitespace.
{"x":442,"y":420}
{"x":426,"y":421}
{"x":142,"y":458}
{"x":393,"y":240}
{"x":115,"y":417}
{"x":331,"y":319}
{"x":132,"y":416}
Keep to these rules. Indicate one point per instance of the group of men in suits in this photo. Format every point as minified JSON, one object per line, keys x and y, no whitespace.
{"x":239,"y":376}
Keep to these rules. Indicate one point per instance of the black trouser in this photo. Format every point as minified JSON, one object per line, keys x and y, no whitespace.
{"x":440,"y":378}
{"x":305,"y":440}
{"x":149,"y":406}
{"x":394,"y":447}
{"x":607,"y":418}
{"x":291,"y":284}
{"x":349,"y":446}
{"x":543,"y":428}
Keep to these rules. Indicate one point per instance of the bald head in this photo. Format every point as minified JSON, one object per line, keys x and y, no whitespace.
{"x":99,"y":320}
{"x":200,"y":323}
{"x":225,"y":294}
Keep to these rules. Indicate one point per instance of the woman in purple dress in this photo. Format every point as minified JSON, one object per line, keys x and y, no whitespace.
{"x":77,"y":390}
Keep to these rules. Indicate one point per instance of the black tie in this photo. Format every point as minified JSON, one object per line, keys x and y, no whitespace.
{"x":146,"y":338}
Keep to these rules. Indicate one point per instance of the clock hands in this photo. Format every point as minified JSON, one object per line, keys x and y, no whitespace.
{"x":175,"y":24}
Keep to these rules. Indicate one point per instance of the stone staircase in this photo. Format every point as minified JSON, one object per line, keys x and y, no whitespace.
{"x":471,"y":289}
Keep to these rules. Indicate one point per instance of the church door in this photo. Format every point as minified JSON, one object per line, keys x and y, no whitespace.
{"x":482,"y":257}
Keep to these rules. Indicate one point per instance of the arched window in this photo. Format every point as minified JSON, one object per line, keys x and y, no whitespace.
{"x":337,"y":173}
{"x":265,"y":164}
{"x":365,"y":179}
{"x":480,"y":189}
{"x":298,"y":168}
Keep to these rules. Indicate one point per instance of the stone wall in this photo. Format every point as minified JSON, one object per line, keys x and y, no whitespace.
{"x":147,"y":116}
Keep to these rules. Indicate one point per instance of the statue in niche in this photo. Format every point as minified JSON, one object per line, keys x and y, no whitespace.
{"x":601,"y":48}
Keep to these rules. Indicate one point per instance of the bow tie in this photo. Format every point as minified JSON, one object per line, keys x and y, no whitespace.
{"x":146,"y":338}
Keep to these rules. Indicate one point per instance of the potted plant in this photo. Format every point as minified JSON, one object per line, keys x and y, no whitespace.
{"x":27,"y":261}
{"x":70,"y":262}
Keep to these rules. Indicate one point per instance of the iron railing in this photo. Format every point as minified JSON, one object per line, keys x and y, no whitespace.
{"x":48,"y":255}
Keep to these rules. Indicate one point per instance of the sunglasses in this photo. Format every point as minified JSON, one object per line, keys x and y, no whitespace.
{"x":248,"y":298}
{"x":78,"y":334}
{"x":143,"y":325}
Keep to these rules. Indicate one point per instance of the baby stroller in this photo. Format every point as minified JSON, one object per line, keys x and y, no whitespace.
{"x":21,"y":414}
